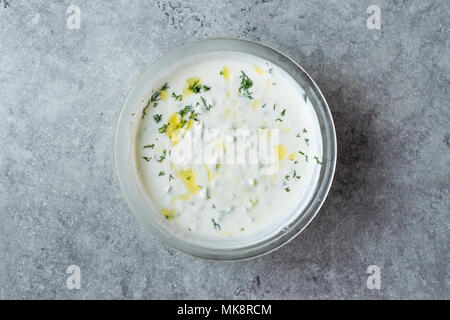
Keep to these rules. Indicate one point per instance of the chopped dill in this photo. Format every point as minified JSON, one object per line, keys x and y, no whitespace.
{"x":161,"y":173}
{"x":177,"y":97}
{"x":147,"y":158}
{"x":149,"y":146}
{"x":196,"y":87}
{"x":162,"y":157}
{"x":164,"y":87}
{"x":207,"y":106}
{"x":155,"y":97}
{"x":163,"y":129}
{"x":246,"y":84}
{"x":215,"y":224}
{"x":157,"y":117}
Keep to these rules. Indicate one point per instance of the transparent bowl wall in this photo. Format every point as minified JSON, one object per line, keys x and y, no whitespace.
{"x":123,"y":149}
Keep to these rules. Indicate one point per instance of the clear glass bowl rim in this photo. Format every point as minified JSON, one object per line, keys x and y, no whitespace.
{"x":122,"y":141}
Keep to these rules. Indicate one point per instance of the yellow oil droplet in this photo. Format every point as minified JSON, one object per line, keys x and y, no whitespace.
{"x":164,"y":94}
{"x":226,"y":72}
{"x":256,"y":104}
{"x":173,"y":128}
{"x":189,"y":125}
{"x":220,"y":145}
{"x":260,"y":70}
{"x":229,"y":94}
{"x":172,"y":165}
{"x":189,"y":180}
{"x":183,"y":197}
{"x":282,"y":151}
{"x":293,"y":156}
{"x":211,"y":175}
{"x":285,"y":129}
{"x":193,"y":80}
{"x":230,"y":113}
{"x":169,"y":214}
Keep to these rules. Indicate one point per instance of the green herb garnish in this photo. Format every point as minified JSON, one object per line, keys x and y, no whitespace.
{"x":161,"y":173}
{"x":196,"y":87}
{"x":207,"y":106}
{"x":246,"y":84}
{"x":149,"y":146}
{"x":163,"y":129}
{"x":215,"y":224}
{"x":162,"y":157}
{"x":185,"y":111}
{"x":155,"y":97}
{"x":157,"y":117}
{"x":147,"y":158}
{"x":177,"y":97}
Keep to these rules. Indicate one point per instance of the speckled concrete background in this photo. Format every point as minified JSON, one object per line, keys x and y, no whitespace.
{"x":61,"y":92}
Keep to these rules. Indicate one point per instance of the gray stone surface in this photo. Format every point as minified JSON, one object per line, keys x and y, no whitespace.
{"x":60,"y":95}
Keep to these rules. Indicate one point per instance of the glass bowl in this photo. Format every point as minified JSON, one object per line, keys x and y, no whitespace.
{"x":139,"y":202}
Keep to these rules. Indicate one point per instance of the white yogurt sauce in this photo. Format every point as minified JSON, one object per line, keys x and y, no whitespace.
{"x":228,"y":201}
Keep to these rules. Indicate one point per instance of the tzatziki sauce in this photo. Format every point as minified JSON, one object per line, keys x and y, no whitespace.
{"x":197,"y":147}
